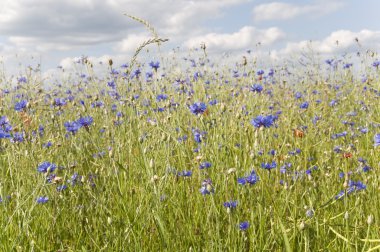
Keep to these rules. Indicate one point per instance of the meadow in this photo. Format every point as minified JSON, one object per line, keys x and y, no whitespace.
{"x":208,"y":158}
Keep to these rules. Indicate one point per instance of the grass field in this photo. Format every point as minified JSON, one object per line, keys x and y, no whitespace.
{"x":210,"y":158}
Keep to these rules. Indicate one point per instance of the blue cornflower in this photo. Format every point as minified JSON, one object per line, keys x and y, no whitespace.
{"x":184,"y":173}
{"x":353,"y":186}
{"x":207,"y":187}
{"x":376,"y":139}
{"x":333,"y":103}
{"x":111,"y":84}
{"x":42,"y":199}
{"x":61,"y":188}
{"x":251,"y":179}
{"x":85,"y":121}
{"x":154,"y":65}
{"x":4,"y":134}
{"x":244,"y":225}
{"x":230,"y":204}
{"x":46,"y":167}
{"x":22,"y":79}
{"x":59,"y":102}
{"x":136,"y":74}
{"x":269,"y":166}
{"x":347,"y":65}
{"x":272,"y":152}
{"x":198,"y":136}
{"x":198,"y":108}
{"x":298,"y":95}
{"x":161,"y":97}
{"x":376,"y":63}
{"x":256,"y":88}
{"x":304,"y":105}
{"x":72,"y":127}
{"x":21,"y":105}
{"x":260,"y":72}
{"x":213,"y":102}
{"x":265,"y":121}
{"x":204,"y":165}
{"x":18,"y":137}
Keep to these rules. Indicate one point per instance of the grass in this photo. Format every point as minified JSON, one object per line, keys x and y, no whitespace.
{"x":124,"y":190}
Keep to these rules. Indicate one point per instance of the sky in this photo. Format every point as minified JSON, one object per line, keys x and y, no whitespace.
{"x":56,"y":33}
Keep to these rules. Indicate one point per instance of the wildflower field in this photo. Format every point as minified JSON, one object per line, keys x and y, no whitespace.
{"x":208,"y":158}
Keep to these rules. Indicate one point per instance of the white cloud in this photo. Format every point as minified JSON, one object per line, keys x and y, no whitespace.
{"x":131,"y":43}
{"x":283,"y":11}
{"x":337,"y":42}
{"x":63,"y":25}
{"x":245,"y":38}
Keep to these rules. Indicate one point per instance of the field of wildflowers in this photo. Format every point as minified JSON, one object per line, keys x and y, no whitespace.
{"x":211,"y":158}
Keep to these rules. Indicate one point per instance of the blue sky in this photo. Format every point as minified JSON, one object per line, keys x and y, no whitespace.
{"x":57,"y":32}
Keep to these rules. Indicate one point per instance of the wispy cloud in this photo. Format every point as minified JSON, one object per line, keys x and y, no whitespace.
{"x":341,"y":41}
{"x":283,"y":11}
{"x":245,"y":38}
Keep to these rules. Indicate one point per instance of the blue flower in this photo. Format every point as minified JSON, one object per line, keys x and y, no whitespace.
{"x":42,"y":200}
{"x":85,"y":121}
{"x":256,"y":88}
{"x":304,"y":105}
{"x":4,"y":134}
{"x":59,"y":102}
{"x":376,"y":139}
{"x":72,"y":127}
{"x":269,"y":166}
{"x":353,"y":186}
{"x":198,"y":108}
{"x":230,"y":204}
{"x":251,"y":179}
{"x":21,"y":105}
{"x":204,"y":165}
{"x":244,"y":225}
{"x":161,"y":97}
{"x":260,"y":72}
{"x":154,"y":65}
{"x":265,"y":121}
{"x":185,"y":173}
{"x":207,"y":187}
{"x":46,"y":166}
{"x":61,"y":188}
{"x":18,"y":137}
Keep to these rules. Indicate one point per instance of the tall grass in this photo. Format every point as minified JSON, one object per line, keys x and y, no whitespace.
{"x":126,"y":190}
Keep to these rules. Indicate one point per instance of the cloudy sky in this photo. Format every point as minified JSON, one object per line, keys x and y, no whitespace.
{"x":53,"y":32}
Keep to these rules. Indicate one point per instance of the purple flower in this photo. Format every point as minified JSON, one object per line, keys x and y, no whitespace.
{"x":205,"y":165}
{"x":42,"y":200}
{"x":184,"y":173}
{"x":230,"y":204}
{"x":198,"y":108}
{"x":376,"y":139}
{"x":207,"y":187}
{"x":61,"y":188}
{"x":21,"y":105}
{"x":85,"y":121}
{"x":269,"y":166}
{"x":161,"y":97}
{"x":265,"y":121}
{"x":304,"y":105}
{"x":251,"y":179}
{"x":4,"y":134}
{"x":59,"y":102}
{"x":256,"y":88}
{"x":46,"y":166}
{"x":244,"y":225}
{"x":72,"y":127}
{"x":154,"y":65}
